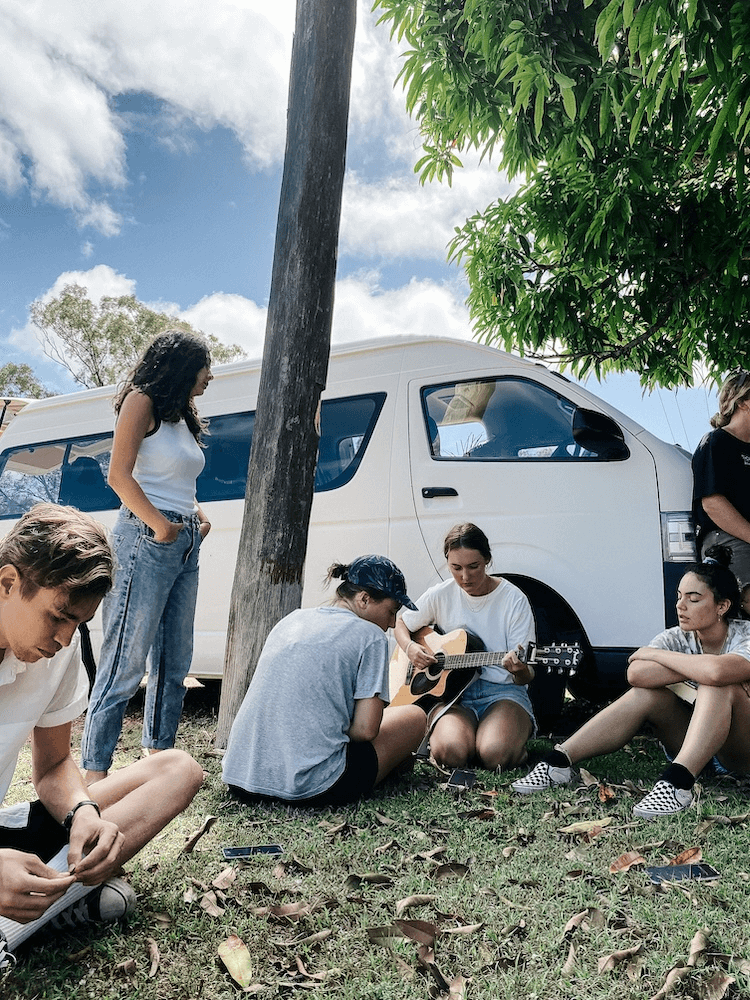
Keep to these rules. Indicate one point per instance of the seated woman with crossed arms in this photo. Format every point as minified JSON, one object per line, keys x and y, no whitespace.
{"x":708,"y":653}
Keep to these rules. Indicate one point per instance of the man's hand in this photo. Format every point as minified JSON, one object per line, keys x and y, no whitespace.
{"x":28,"y":886}
{"x":95,"y":847}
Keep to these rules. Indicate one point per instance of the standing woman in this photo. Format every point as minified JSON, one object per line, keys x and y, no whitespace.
{"x":156,"y":459}
{"x":494,"y":717}
{"x":721,"y":474}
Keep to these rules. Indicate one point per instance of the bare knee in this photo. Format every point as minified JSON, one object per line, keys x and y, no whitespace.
{"x":178,"y":771}
{"x":451,"y":754}
{"x":502,"y":757}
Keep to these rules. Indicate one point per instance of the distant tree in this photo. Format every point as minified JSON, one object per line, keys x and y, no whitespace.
{"x":628,"y":245}
{"x":100,"y":342}
{"x":20,"y":380}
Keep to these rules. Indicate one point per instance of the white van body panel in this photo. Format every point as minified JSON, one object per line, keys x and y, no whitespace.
{"x":590,"y":531}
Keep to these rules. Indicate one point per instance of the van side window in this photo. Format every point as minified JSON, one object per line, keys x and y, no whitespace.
{"x":503,"y":419}
{"x":346,"y":427}
{"x":71,"y":472}
{"x":74,"y":471}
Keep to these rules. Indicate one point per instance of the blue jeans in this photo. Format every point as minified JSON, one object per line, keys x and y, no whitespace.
{"x":148,"y":613}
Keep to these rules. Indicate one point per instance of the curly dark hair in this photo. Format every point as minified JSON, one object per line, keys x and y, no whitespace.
{"x":166,"y":372}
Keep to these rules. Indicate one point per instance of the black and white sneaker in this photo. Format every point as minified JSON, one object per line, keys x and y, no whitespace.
{"x":110,"y":901}
{"x":664,"y":799}
{"x":542,"y":776}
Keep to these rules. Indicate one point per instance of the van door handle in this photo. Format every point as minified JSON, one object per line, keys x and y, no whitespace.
{"x":429,"y":492}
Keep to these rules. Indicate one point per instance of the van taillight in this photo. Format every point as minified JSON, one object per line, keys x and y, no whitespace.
{"x":678,"y":537}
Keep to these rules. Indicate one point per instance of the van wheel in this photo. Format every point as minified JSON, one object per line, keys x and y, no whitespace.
{"x":555,"y":622}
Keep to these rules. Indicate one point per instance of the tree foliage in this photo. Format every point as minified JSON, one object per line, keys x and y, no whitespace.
{"x":99,"y":342}
{"x":626,"y":247}
{"x":20,"y":380}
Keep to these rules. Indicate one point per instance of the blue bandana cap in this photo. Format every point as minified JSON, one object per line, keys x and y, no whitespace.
{"x":379,"y":573}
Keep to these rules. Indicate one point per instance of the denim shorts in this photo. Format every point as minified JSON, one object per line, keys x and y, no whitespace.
{"x":480,"y":695}
{"x":28,"y":827}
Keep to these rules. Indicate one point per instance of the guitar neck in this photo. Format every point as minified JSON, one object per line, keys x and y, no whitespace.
{"x":465,"y":661}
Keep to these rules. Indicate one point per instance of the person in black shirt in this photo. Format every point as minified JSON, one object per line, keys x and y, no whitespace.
{"x":721,"y":475}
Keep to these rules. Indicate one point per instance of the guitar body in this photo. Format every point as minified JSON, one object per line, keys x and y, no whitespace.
{"x":424,"y":688}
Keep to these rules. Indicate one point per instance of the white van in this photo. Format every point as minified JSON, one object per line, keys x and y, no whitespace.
{"x":585,"y":510}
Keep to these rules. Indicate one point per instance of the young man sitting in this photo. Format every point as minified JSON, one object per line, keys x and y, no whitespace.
{"x":58,"y":855}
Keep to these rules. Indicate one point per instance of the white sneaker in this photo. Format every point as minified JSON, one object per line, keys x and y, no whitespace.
{"x":664,"y":799}
{"x":7,"y":961}
{"x":111,"y":901}
{"x":543,"y":776}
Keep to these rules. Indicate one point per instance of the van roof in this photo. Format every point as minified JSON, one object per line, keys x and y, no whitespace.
{"x":9,"y":407}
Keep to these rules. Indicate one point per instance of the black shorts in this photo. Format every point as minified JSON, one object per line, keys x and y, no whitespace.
{"x":28,"y":827}
{"x":358,"y":780}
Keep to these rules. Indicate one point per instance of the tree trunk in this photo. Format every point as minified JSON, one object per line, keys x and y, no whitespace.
{"x":281,"y":474}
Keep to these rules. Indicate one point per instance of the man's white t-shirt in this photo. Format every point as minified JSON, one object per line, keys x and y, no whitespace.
{"x":47,"y":693}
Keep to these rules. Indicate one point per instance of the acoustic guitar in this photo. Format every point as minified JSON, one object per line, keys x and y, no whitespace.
{"x":460,"y":654}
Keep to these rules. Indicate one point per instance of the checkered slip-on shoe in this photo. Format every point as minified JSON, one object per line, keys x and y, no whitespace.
{"x":663,"y":800}
{"x":543,"y":776}
{"x":7,"y":961}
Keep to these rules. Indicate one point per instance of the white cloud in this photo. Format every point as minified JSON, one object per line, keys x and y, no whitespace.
{"x":61,"y":62}
{"x":362,"y":310}
{"x":232,"y":318}
{"x":399,"y":217}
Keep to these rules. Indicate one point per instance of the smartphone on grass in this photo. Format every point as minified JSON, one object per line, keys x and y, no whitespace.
{"x":678,"y":873}
{"x":246,"y":852}
{"x":461,"y":780}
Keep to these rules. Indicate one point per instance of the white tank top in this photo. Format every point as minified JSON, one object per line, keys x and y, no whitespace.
{"x":167,"y":465}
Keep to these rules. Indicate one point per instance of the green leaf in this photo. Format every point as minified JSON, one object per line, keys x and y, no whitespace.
{"x":569,"y":103}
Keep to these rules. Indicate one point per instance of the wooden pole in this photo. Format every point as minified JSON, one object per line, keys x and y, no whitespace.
{"x":273,"y":541}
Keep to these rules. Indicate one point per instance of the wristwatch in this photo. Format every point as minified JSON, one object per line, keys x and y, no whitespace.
{"x":68,"y":821}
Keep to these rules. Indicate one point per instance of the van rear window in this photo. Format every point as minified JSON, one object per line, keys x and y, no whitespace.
{"x":74,"y":470}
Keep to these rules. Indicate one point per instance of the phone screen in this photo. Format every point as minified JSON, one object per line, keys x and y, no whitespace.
{"x":678,"y":873}
{"x":245,"y":852}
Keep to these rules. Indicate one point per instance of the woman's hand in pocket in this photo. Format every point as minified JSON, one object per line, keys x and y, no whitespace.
{"x":168,"y":532}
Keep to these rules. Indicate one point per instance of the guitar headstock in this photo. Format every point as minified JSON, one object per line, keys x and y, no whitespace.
{"x":560,"y":657}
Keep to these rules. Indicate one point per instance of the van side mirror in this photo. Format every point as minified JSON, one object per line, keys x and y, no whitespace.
{"x":599,"y":434}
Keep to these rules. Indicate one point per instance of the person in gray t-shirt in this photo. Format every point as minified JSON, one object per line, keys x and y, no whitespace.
{"x":313,"y":728}
{"x":691,"y":684}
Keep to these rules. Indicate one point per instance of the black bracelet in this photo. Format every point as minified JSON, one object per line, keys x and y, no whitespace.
{"x":68,"y":821}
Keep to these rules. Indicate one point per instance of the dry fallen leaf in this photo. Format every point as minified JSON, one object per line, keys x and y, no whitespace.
{"x":611,"y":961}
{"x":153,"y":954}
{"x":626,"y":861}
{"x":698,"y":947}
{"x":193,"y":839}
{"x":586,"y":825}
{"x":586,"y":919}
{"x":605,"y":793}
{"x":418,"y":900}
{"x":587,"y":777}
{"x":236,"y":958}
{"x":463,"y":929}
{"x":691,"y":856}
{"x":308,"y":939}
{"x":127,"y":968}
{"x":716,"y":987}
{"x":673,"y":977}
{"x":453,"y":868}
{"x":570,"y":960}
{"x":420,"y":931}
{"x":210,"y":904}
{"x":224,"y":879}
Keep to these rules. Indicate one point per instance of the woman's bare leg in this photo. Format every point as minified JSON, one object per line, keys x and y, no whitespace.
{"x":615,"y":725}
{"x":453,"y":740}
{"x":720,"y":725}
{"x":502,"y":734}
{"x":401,"y":731}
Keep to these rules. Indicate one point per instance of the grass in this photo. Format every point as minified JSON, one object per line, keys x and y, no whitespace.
{"x":485,"y":857}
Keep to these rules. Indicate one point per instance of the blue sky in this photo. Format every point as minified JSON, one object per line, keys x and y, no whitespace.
{"x":141,"y":149}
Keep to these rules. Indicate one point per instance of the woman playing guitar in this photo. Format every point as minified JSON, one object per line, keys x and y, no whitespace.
{"x":493,"y":718}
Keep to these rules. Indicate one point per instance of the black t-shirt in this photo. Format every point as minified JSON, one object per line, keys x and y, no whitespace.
{"x":721,"y":464}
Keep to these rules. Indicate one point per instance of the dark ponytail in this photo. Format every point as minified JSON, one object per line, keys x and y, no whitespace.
{"x":714,"y":571}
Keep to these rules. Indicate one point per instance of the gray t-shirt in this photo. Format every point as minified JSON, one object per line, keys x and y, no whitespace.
{"x":677,"y":641}
{"x":290,"y":735}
